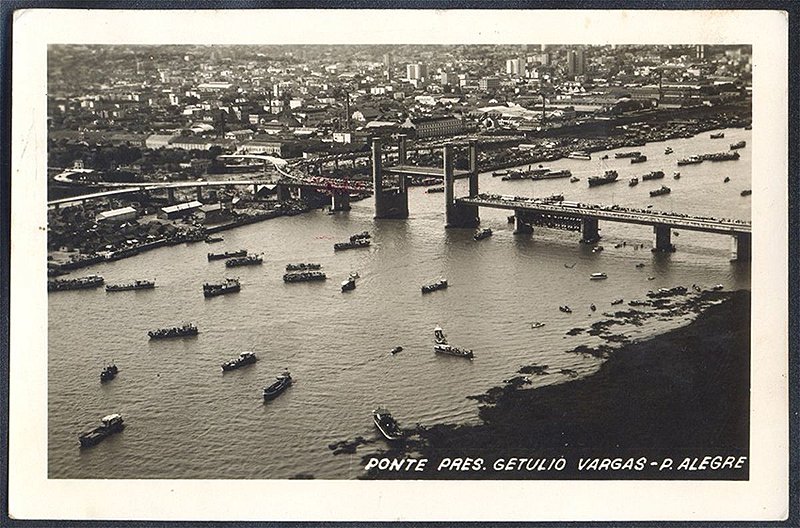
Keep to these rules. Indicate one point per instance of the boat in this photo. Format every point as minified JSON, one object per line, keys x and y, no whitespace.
{"x":717,"y":135}
{"x":304,"y":276}
{"x":80,"y":283}
{"x":227,"y":255}
{"x":303,"y":266}
{"x":188,"y":329}
{"x":597,"y":249}
{"x":592,"y":307}
{"x":676,"y":175}
{"x":570,"y":266}
{"x":721,"y":156}
{"x":746,"y":192}
{"x":282,"y":382}
{"x":668,"y":150}
{"x":108,"y":373}
{"x":574,"y":179}
{"x":634,"y":181}
{"x":691,"y":160}
{"x":654,"y":175}
{"x":537,"y":324}
{"x":605,"y":157}
{"x":211,"y":239}
{"x":640,"y":265}
{"x":349,"y":284}
{"x":639,"y":159}
{"x":565,"y":309}
{"x":230,"y":285}
{"x":552,"y":175}
{"x":364,"y":235}
{"x":717,"y":287}
{"x":352,"y":244}
{"x":483,"y":233}
{"x":501,"y":172}
{"x":113,"y":423}
{"x":437,"y":189}
{"x":386,"y":424}
{"x":579,"y":155}
{"x":245,"y":358}
{"x":598,"y":276}
{"x":738,"y":145}
{"x":748,"y":127}
{"x":249,"y":260}
{"x":514,"y":175}
{"x":135,"y":285}
{"x":651,"y":278}
{"x":631,"y":154}
{"x":443,"y":347}
{"x":610,"y":176}
{"x":659,"y":192}
{"x":617,"y":301}
{"x":441,"y":284}
{"x":396,"y":350}
{"x":726,"y":180}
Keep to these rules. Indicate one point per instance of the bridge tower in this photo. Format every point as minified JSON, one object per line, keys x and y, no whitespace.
{"x":662,"y":238}
{"x":741,"y":247}
{"x":389,"y":203}
{"x":459,"y":214}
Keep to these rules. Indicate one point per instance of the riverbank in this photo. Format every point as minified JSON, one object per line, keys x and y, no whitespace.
{"x":681,"y":394}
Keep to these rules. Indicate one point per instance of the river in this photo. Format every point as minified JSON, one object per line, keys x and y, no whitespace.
{"x":185,"y":419}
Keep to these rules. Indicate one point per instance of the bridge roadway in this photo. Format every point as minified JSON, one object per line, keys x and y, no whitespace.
{"x":582,"y":211}
{"x":128,"y":188}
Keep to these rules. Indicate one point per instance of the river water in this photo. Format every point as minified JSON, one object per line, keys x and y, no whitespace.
{"x":187,"y":420}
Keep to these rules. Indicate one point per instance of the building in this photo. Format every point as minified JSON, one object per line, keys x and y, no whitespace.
{"x":179,"y":210}
{"x":515,"y":67}
{"x":448,"y":79}
{"x":433,"y":126}
{"x":117,"y":215}
{"x":576,"y":63}
{"x":416,"y":72}
{"x":212,"y":213}
{"x":489,"y":83}
{"x":157,"y":141}
{"x":191,"y":143}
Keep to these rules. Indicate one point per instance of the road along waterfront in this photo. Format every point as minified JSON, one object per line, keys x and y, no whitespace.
{"x":188,"y":420}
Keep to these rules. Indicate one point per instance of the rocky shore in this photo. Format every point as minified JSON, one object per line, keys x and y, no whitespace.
{"x":681,"y":394}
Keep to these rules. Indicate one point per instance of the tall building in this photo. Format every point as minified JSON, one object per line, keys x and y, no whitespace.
{"x":700,"y":51}
{"x":387,"y":60}
{"x":515,"y":67}
{"x":448,"y":79}
{"x":576,"y":62}
{"x":489,"y":83}
{"x":416,"y":71}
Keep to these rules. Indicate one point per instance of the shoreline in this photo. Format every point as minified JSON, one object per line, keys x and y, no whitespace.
{"x":696,"y":376}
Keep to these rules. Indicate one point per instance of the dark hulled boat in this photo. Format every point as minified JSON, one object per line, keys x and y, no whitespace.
{"x":639,"y":159}
{"x":135,"y":285}
{"x":441,"y":346}
{"x":248,"y":260}
{"x":610,"y":176}
{"x":227,"y":255}
{"x":483,"y":233}
{"x":349,"y":284}
{"x":746,"y":192}
{"x":437,"y":189}
{"x":108,"y":373}
{"x":230,"y":285}
{"x":364,"y":235}
{"x":660,"y":192}
{"x":654,"y":175}
{"x":691,"y":160}
{"x":386,"y":424}
{"x":738,"y":145}
{"x":188,"y":329}
{"x":634,"y":181}
{"x":305,"y":276}
{"x":352,"y":244}
{"x":632,"y":154}
{"x":438,"y":285}
{"x":303,"y":267}
{"x":245,"y":358}
{"x":282,"y":383}
{"x":109,"y":425}
{"x":717,"y":135}
{"x":80,"y":283}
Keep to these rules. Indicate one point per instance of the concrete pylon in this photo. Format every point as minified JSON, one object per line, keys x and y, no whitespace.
{"x":456,"y":214}
{"x":742,"y":247}
{"x":590,"y":232}
{"x":662,"y":238}
{"x":390,"y":203}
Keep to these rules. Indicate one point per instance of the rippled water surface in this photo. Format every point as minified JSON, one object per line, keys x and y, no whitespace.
{"x":188,"y":420}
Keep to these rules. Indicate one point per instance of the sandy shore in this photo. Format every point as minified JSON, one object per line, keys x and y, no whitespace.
{"x":683,"y":394}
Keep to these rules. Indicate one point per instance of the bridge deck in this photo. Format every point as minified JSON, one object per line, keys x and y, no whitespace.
{"x":413,"y":170}
{"x":689,"y":223}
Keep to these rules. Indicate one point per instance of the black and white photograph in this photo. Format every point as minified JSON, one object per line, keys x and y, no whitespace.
{"x":532,"y":256}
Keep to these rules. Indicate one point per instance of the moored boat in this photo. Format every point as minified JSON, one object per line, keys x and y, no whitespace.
{"x":80,"y":283}
{"x":304,"y":276}
{"x":632,"y":154}
{"x":227,"y":255}
{"x":108,"y":373}
{"x":691,"y":160}
{"x":639,"y":159}
{"x":245,"y":358}
{"x":248,"y":260}
{"x":352,"y":244}
{"x":438,"y":285}
{"x":717,"y":135}
{"x":660,"y":192}
{"x":579,"y":155}
{"x":212,"y":239}
{"x":282,"y":382}
{"x":437,"y":189}
{"x":654,"y":175}
{"x":501,"y":172}
{"x":309,"y":266}
{"x":364,"y":235}
{"x":610,"y":176}
{"x":483,"y":233}
{"x":386,"y":424}
{"x":188,"y":329}
{"x":135,"y":285}
{"x":229,"y":285}
{"x":113,"y":423}
{"x":738,"y":145}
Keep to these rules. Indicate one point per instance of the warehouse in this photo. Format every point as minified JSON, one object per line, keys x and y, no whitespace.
{"x":122,"y":214}
{"x":179,"y":210}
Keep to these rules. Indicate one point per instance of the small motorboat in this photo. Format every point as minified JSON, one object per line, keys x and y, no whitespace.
{"x":396,"y":350}
{"x":651,"y":278}
{"x":570,"y":266}
{"x":617,"y":301}
{"x":282,"y":382}
{"x":537,"y":324}
{"x":726,"y":180}
{"x":640,"y":265}
{"x":592,"y":307}
{"x":565,"y":309}
{"x":349,"y":284}
{"x":597,"y":249}
{"x":717,"y":287}
{"x":598,"y":276}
